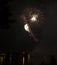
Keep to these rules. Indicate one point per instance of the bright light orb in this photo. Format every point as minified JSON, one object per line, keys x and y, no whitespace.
{"x":34,"y":18}
{"x":26,"y":27}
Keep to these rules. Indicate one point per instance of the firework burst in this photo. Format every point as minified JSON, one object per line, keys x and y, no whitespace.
{"x":32,"y":17}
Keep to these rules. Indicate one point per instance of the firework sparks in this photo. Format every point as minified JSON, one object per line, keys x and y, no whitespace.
{"x":30,"y":16}
{"x":26,"y":27}
{"x":34,"y":18}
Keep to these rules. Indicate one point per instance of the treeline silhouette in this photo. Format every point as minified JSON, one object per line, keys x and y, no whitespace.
{"x":17,"y":59}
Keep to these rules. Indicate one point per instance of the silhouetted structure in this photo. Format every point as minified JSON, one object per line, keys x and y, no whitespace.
{"x":52,"y":61}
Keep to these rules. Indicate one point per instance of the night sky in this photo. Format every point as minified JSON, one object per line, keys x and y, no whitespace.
{"x":15,"y":38}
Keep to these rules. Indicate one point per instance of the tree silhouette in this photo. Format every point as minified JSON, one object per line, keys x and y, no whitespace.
{"x":52,"y":61}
